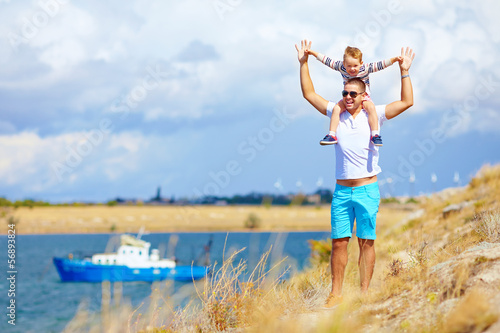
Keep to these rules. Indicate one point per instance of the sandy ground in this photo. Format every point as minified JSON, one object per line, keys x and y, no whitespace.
{"x":104,"y":219}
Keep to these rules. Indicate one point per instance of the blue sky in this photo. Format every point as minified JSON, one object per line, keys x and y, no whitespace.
{"x":106,"y":99}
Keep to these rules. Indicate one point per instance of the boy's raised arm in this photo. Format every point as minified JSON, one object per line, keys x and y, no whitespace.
{"x":326,"y":60}
{"x":313,"y":53}
{"x":373,"y":67}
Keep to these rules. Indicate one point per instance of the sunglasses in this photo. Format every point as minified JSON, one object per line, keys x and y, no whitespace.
{"x":353,"y":94}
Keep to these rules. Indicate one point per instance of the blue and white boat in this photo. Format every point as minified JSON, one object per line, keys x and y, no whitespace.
{"x":132,"y":262}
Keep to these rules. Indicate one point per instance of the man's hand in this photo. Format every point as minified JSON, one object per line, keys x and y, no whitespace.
{"x":406,"y":58}
{"x":302,"y":52}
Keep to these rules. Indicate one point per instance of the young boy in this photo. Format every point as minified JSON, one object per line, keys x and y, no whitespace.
{"x":353,"y":67}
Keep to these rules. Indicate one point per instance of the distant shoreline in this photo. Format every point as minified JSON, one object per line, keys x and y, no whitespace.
{"x":175,"y":219}
{"x":165,"y":219}
{"x":178,"y":232}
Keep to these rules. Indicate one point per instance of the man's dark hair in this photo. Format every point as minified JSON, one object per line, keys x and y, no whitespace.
{"x":361,"y":85}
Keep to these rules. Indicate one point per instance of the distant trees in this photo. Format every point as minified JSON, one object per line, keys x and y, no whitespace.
{"x":22,"y":203}
{"x":321,"y":196}
{"x":255,"y":198}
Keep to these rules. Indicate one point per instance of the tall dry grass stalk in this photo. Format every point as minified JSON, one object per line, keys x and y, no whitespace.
{"x":488,"y":226}
{"x":229,"y":299}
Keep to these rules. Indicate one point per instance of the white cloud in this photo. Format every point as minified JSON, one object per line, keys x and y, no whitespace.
{"x":132,"y":142}
{"x":34,"y":164}
{"x":69,"y":22}
{"x":26,"y":156}
{"x":63,"y":54}
{"x":110,"y":53}
{"x":487,"y":15}
{"x":482,"y":120}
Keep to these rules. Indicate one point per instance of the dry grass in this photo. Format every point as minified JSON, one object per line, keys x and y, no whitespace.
{"x":474,"y":313}
{"x":489,"y":226}
{"x":103,"y":219}
{"x":99,"y":219}
{"x":430,"y":272}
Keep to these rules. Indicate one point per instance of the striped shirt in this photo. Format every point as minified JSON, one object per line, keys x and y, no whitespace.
{"x":364,"y":70}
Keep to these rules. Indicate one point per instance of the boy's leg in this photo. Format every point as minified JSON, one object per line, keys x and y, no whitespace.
{"x":373,"y":122}
{"x":335,"y":119}
{"x":331,"y":137}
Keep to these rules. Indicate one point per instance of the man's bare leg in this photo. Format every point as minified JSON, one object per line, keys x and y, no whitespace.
{"x":366,"y":262}
{"x":338,"y":264}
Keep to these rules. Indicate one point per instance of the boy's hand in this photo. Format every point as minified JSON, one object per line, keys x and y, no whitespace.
{"x":311,"y":52}
{"x":406,"y":58}
{"x":398,"y":59}
{"x":302,"y":53}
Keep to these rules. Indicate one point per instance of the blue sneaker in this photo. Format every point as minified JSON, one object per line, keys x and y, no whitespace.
{"x":328,"y":140}
{"x":377,"y":140}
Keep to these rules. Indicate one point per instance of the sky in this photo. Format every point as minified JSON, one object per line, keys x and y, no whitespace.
{"x":100,"y":100}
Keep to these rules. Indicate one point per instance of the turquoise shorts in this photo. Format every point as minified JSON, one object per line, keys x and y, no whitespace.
{"x":355,"y":203}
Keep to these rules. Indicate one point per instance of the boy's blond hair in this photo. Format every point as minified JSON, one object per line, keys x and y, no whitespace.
{"x":353,"y":52}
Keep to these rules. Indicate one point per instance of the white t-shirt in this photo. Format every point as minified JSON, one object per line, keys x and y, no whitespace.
{"x":355,"y":155}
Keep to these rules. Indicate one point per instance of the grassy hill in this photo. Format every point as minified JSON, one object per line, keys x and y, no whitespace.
{"x":437,"y":270}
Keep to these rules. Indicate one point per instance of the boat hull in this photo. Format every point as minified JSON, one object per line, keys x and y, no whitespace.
{"x":73,"y":270}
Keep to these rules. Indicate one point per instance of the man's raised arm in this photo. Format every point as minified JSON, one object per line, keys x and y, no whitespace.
{"x":305,"y":79}
{"x":396,"y":108}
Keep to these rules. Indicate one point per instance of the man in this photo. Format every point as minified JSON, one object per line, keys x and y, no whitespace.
{"x":356,"y":195}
